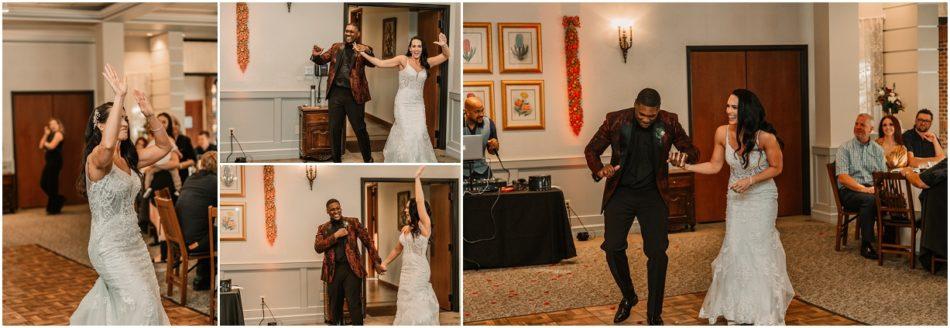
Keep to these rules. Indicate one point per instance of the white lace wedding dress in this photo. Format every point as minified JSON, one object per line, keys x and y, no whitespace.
{"x":416,"y":304}
{"x":408,"y":140}
{"x":126,"y":292}
{"x":750,"y":284}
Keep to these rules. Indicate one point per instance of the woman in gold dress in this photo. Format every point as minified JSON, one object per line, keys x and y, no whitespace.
{"x":895,"y":153}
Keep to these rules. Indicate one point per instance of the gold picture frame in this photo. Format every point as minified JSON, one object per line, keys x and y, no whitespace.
{"x":484,"y":90}
{"x":226,"y":190}
{"x":524,"y":110}
{"x":519,"y":57}
{"x":229,"y":227}
{"x":480,"y":32}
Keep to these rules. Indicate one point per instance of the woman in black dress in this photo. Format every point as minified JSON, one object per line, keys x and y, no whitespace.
{"x":52,"y":144}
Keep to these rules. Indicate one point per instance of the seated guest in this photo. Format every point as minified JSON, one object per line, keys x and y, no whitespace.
{"x":856,"y":160}
{"x":477,"y":124}
{"x":204,"y":144}
{"x":199,"y":192}
{"x":895,"y":153}
{"x":921,"y":143}
{"x":933,"y":214}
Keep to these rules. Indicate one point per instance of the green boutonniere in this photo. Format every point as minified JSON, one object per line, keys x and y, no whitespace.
{"x":660,"y":132}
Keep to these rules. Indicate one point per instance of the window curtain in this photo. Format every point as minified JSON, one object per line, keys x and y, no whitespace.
{"x":871,"y":65}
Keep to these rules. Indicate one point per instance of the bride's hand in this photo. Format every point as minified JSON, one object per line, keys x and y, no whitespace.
{"x":442,"y":40}
{"x":118,"y":85}
{"x":742,"y":185}
{"x":678,"y":159}
{"x":381,"y":268}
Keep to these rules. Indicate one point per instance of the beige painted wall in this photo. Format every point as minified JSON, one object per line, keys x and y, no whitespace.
{"x":388,"y":234}
{"x":910,"y":57}
{"x":280,"y":44}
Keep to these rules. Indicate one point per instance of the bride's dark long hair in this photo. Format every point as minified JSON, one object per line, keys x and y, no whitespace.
{"x":750,"y":120}
{"x":423,"y":57}
{"x":414,"y":217}
{"x":92,"y":138}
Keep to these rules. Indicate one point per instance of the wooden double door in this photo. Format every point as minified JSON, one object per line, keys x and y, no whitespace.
{"x":31,"y":112}
{"x":778,"y":76}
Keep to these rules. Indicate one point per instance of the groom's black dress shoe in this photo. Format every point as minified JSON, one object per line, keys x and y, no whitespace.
{"x":869,"y":252}
{"x":623,"y":309}
{"x":655,"y":321}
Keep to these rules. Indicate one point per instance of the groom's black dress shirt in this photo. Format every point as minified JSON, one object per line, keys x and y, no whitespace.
{"x":637,"y":168}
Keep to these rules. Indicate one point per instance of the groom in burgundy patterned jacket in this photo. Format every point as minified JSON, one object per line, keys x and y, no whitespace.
{"x":640,"y":139}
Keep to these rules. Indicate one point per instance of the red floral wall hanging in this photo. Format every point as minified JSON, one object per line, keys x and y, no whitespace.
{"x":243,"y":54}
{"x":571,"y":44}
{"x":270,"y":208}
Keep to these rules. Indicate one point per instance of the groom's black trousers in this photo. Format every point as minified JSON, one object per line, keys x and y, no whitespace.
{"x":345,"y":284}
{"x":342,"y":106}
{"x":648,"y":207}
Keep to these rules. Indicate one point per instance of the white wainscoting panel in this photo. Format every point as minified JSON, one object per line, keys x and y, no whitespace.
{"x":293,"y":291}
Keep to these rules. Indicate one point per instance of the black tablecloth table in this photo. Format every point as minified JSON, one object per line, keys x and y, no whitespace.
{"x":232,"y":312}
{"x":524,"y":228}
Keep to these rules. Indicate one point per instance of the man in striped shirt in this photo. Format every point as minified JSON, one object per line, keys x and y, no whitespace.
{"x":856,"y":160}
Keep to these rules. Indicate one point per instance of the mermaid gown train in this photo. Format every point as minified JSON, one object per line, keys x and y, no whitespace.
{"x":416,"y":304}
{"x":750,"y":283}
{"x":408,"y":140}
{"x":126,"y":292}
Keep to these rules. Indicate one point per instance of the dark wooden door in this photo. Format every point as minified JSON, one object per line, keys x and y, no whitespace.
{"x":429,"y":32}
{"x":195,"y":110}
{"x":32,"y":111}
{"x":440,"y":199}
{"x":776,"y":76}
{"x":713,"y":75}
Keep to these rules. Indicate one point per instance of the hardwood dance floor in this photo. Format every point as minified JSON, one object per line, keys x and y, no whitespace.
{"x":44,"y":288}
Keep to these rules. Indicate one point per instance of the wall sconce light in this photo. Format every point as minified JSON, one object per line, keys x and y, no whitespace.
{"x":625,"y":39}
{"x":311,"y":174}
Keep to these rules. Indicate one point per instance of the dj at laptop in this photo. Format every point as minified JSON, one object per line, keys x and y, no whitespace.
{"x":481,"y":131}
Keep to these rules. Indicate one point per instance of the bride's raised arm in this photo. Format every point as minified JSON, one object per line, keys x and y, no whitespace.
{"x":101,"y":156}
{"x":425,"y":225}
{"x":446,"y":52}
{"x":391,"y":62}
{"x":718,"y":156}
{"x":151,"y":154}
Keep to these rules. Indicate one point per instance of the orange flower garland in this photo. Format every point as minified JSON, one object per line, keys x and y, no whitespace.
{"x":243,"y":53}
{"x":571,"y":41}
{"x":270,"y":209}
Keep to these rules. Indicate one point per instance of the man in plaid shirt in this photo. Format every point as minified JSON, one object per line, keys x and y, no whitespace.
{"x":856,"y":160}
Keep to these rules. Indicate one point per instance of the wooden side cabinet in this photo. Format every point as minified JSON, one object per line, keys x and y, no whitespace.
{"x":314,"y":133}
{"x":682,"y":203}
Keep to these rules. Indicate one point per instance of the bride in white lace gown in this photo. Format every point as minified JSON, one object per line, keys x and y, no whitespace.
{"x":126,"y":292}
{"x":416,"y":304}
{"x":408,"y":140}
{"x":750,"y":284}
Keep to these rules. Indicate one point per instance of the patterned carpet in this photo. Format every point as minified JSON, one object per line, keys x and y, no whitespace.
{"x":841,"y":282}
{"x":67,"y":234}
{"x":677,"y":310}
{"x":43,"y":288}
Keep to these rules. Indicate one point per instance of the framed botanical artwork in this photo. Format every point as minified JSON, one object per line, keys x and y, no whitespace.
{"x":483,"y":90}
{"x":231,"y":222}
{"x":402,"y":198}
{"x":231,"y":181}
{"x":522,"y":105}
{"x":476,"y":47}
{"x":389,"y":37}
{"x":519,"y":47}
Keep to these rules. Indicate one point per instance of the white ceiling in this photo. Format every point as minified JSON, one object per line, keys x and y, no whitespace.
{"x":196,"y":20}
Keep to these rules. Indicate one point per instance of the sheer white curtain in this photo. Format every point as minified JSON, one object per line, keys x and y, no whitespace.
{"x":871,"y":65}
